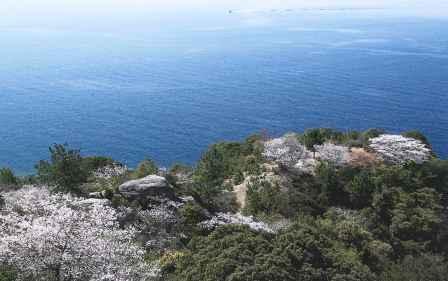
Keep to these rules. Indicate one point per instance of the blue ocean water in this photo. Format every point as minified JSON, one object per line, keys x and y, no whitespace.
{"x":168,"y":94}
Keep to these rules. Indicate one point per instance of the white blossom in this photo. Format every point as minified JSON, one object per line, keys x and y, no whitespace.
{"x":397,"y":149}
{"x":228,"y":218}
{"x":336,"y":154}
{"x":286,"y":150}
{"x":67,"y":238}
{"x":110,"y":171}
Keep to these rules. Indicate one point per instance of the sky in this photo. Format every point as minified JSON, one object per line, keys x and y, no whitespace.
{"x":37,"y":12}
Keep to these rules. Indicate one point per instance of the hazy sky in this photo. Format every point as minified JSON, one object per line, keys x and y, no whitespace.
{"x":46,"y":5}
{"x":16,"y":12}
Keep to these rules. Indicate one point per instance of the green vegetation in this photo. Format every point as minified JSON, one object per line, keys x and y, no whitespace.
{"x":7,"y":177}
{"x":7,"y":274}
{"x":64,"y":170}
{"x":313,"y":137}
{"x":319,"y":136}
{"x":265,"y":199}
{"x":67,"y":170}
{"x":145,"y":168}
{"x":225,"y":162}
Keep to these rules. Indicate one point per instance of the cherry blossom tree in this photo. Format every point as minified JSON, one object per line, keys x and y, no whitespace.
{"x":286,"y":150}
{"x":336,"y":154}
{"x":398,"y":149}
{"x":61,"y":237}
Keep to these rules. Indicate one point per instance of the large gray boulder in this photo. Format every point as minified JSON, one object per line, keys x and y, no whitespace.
{"x":153,"y":188}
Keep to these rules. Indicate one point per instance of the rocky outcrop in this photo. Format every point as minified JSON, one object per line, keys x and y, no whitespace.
{"x":152,"y":188}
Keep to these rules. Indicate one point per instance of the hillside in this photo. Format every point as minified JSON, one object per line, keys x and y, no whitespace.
{"x":316,"y":205}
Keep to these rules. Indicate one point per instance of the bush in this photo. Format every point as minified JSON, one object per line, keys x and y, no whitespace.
{"x":192,"y":214}
{"x":229,"y":253}
{"x":418,"y":136}
{"x":427,"y":267}
{"x":7,"y":177}
{"x":93,"y":163}
{"x":145,"y":168}
{"x":264,"y":199}
{"x":301,"y":252}
{"x":313,"y":137}
{"x":65,"y":169}
{"x":219,"y":166}
{"x":7,"y":273}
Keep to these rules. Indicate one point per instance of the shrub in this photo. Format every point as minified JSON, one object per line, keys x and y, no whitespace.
{"x":301,"y":252}
{"x":7,"y":177}
{"x":229,"y":253}
{"x":313,"y":137}
{"x":427,"y":267}
{"x":64,"y":170}
{"x":418,"y":136}
{"x":145,"y":168}
{"x":7,"y":273}
{"x":192,"y":214}
{"x":264,"y":198}
{"x":93,"y":163}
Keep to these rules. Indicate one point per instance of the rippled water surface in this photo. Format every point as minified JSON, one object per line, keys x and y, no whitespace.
{"x":168,"y":95}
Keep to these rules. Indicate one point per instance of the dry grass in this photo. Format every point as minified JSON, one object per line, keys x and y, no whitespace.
{"x":359,"y":157}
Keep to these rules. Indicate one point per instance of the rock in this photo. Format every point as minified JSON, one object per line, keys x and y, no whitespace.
{"x":153,"y":188}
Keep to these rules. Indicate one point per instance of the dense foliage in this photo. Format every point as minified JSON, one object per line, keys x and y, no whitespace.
{"x":64,"y":170}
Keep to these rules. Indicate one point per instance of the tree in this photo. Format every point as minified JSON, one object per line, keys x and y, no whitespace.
{"x":418,"y":136}
{"x":331,"y":186}
{"x":7,"y":177}
{"x":64,"y":171}
{"x":416,"y":219}
{"x":337,"y":155}
{"x":286,"y":151}
{"x":361,"y":189}
{"x":411,"y":220}
{"x":425,"y":267}
{"x":302,"y":252}
{"x":229,"y":253}
{"x":211,"y":168}
{"x":145,"y":168}
{"x":397,"y":149}
{"x":7,"y":273}
{"x":311,"y":138}
{"x":313,"y":252}
{"x":264,"y":198}
{"x":60,"y":237}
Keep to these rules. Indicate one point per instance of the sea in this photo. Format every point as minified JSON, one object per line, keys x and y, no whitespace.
{"x":168,"y":91}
